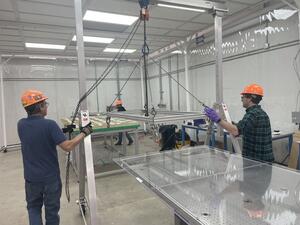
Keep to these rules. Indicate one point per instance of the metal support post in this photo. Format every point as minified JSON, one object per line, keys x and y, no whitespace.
{"x":187,"y":83}
{"x":219,"y":57}
{"x":170,"y":84}
{"x":85,"y":150}
{"x":178,"y":220}
{"x":118,"y":79}
{"x":161,"y":92}
{"x":299,"y":23}
{"x":124,"y":152}
{"x":136,"y":141}
{"x":3,"y":107}
{"x":178,"y":87}
{"x":97,"y":91}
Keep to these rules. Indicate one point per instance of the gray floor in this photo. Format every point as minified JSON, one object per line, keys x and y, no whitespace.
{"x":121,"y":199}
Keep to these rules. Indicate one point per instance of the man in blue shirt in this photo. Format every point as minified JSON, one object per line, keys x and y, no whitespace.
{"x":39,"y":138}
{"x":255,"y":125}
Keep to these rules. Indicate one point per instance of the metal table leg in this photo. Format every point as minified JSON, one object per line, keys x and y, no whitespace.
{"x":136,"y":142}
{"x":178,"y":220}
{"x":183,"y":135}
{"x":124,"y":143}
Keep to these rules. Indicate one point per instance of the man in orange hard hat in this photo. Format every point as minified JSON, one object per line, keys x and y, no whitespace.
{"x":39,"y":137}
{"x":120,"y":108}
{"x":255,"y":125}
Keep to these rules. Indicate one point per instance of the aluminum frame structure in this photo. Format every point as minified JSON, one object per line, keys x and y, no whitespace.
{"x":158,"y":117}
{"x":217,"y":10}
{"x":205,"y":185}
{"x":4,"y":147}
{"x":86,"y":164}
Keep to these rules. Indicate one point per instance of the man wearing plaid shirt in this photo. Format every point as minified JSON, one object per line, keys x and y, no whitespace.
{"x":255,"y":125}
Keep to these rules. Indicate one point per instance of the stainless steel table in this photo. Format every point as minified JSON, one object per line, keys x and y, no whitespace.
{"x":210,"y":187}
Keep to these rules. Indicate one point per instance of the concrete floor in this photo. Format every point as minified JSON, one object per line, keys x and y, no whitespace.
{"x":121,"y":199}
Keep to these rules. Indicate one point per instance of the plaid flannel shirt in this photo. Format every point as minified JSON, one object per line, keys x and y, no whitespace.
{"x":257,"y":136}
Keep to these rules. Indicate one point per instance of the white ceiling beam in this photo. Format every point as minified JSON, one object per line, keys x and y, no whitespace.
{"x":196,"y":4}
{"x":232,"y":20}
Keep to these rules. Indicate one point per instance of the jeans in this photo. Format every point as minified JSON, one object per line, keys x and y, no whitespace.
{"x":121,"y":137}
{"x":47,"y":194}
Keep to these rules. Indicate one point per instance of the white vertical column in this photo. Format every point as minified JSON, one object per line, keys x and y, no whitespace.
{"x":187,"y":83}
{"x":219,"y":57}
{"x":170,"y":84}
{"x":2,"y":106}
{"x":86,"y":153}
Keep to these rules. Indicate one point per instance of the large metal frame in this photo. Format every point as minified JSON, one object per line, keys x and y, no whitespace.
{"x":86,"y":155}
{"x":208,"y":186}
{"x":217,"y":11}
{"x":86,"y":164}
{"x":159,"y":117}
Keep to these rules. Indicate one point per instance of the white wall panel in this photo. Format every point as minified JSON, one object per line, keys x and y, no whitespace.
{"x":131,"y":95}
{"x":1,"y":124}
{"x":154,"y":92}
{"x":166,"y":94}
{"x":59,"y":81}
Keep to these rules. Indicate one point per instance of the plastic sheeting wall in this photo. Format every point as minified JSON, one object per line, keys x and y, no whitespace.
{"x":263,"y":54}
{"x":154,"y":83}
{"x":59,"y":81}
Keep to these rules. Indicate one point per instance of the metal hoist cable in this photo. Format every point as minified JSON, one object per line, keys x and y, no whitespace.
{"x":121,"y":89}
{"x":108,"y":69}
{"x":168,"y":73}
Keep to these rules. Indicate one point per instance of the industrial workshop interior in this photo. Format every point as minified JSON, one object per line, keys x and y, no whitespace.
{"x":150,"y":112}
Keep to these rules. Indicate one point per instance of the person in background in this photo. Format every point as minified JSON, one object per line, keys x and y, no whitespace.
{"x":255,"y":125}
{"x":39,"y":137}
{"x":120,"y":108}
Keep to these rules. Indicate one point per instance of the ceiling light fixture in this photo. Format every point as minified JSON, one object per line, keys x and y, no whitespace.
{"x":46,"y":46}
{"x":42,"y":57}
{"x":177,"y":52}
{"x":180,"y":7}
{"x":109,"y":18}
{"x":115,"y":50}
{"x":95,"y":39}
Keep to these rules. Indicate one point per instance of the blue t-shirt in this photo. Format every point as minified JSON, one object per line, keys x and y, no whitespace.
{"x":39,"y":137}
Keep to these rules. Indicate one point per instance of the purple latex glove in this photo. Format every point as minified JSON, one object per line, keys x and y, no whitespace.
{"x":212,"y":114}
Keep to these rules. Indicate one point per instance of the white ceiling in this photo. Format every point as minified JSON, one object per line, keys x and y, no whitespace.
{"x":53,"y":22}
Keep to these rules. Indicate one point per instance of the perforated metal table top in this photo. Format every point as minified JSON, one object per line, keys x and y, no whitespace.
{"x":208,"y":186}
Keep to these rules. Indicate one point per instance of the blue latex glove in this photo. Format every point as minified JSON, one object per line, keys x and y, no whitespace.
{"x":212,"y":114}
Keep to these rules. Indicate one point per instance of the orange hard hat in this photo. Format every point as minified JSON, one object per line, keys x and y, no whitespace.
{"x":118,"y":102}
{"x":254,"y":89}
{"x":31,"y":97}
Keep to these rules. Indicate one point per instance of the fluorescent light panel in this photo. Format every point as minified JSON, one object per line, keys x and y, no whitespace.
{"x":177,"y":52}
{"x":42,"y":57}
{"x":47,"y":46}
{"x":115,"y":50}
{"x":181,"y":7}
{"x":109,"y":18}
{"x":95,"y":39}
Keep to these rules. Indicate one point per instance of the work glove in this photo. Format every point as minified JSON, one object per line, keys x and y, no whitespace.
{"x":212,"y":114}
{"x":87,"y":130}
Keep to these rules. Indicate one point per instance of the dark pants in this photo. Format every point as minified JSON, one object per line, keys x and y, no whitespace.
{"x":121,"y":137}
{"x":47,"y":194}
